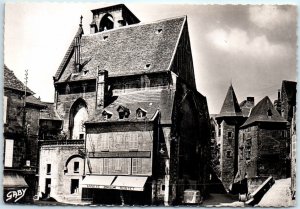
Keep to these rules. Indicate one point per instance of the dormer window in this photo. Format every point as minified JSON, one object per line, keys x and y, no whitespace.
{"x":147,"y":66}
{"x":270,"y":113}
{"x":123,"y":112}
{"x":141,"y":113}
{"x":106,"y":114}
{"x":158,"y":31}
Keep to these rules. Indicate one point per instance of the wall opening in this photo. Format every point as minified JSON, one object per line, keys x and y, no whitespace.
{"x":106,"y":23}
{"x":78,"y":116}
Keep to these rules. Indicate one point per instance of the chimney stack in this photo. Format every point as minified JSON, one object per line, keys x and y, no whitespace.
{"x":101,"y":88}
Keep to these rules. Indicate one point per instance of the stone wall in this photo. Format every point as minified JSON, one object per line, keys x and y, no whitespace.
{"x":227,"y":163}
{"x":65,"y":102}
{"x":248,"y":151}
{"x":61,"y":158}
{"x":262,"y":152}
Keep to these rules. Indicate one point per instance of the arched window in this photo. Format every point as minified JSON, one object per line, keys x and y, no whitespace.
{"x":106,"y":23}
{"x":78,"y":115}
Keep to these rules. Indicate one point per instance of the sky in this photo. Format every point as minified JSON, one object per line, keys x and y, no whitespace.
{"x":254,"y":47}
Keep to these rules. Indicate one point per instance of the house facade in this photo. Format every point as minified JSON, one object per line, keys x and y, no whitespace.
{"x":136,"y":129}
{"x":20,"y":118}
{"x":263,"y":143}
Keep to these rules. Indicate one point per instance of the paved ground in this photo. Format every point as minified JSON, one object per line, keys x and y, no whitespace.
{"x":279,"y":195}
{"x":222,"y":200}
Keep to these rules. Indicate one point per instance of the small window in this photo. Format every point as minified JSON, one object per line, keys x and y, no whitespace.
{"x":9,"y":152}
{"x":106,"y":115}
{"x":270,"y":113}
{"x":248,"y":153}
{"x":105,"y":37}
{"x":141,"y":113}
{"x":81,"y":136}
{"x":76,"y":167}
{"x":123,"y":112}
{"x":48,"y":169}
{"x":74,"y":186}
{"x":147,"y":66}
{"x":134,"y":165}
{"x":4,"y":109}
{"x":229,"y":134}
{"x":163,"y":187}
{"x":228,"y":154}
{"x":158,"y":31}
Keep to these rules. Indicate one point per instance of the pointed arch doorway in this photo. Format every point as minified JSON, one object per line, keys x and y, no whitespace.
{"x":78,"y":115}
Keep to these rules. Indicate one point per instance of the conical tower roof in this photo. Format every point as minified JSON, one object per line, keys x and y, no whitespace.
{"x":264,"y":111}
{"x":230,"y":106}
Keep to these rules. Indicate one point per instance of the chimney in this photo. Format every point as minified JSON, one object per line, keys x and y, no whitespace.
{"x":250,"y":100}
{"x":101,"y":88}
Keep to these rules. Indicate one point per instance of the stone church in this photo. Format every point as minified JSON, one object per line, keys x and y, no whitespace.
{"x":137,"y":131}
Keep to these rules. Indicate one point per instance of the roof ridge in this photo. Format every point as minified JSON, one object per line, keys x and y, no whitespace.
{"x":135,"y":25}
{"x":230,"y":105}
{"x":68,"y":53}
{"x":261,"y":111}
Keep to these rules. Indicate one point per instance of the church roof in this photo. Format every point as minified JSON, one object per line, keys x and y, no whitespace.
{"x":290,"y":89}
{"x":129,"y":50}
{"x":12,"y":82}
{"x":151,"y":101}
{"x":264,"y":111}
{"x":230,"y":106}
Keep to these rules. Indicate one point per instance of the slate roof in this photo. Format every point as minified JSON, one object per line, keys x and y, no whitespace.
{"x":150,"y":100}
{"x":291,"y":90}
{"x":68,"y":53}
{"x":127,"y":50}
{"x":259,"y":113}
{"x":12,"y":82}
{"x":49,"y":113}
{"x":230,"y":106}
{"x":34,"y":101}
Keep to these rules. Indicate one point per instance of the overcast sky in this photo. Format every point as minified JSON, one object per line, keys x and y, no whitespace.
{"x":254,"y":47}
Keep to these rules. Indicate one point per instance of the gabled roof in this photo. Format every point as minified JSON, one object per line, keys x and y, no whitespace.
{"x":129,"y":50}
{"x":151,"y":101}
{"x":49,"y":113}
{"x":290,"y":88}
{"x":68,"y":54}
{"x":230,"y":106}
{"x":259,"y":113}
{"x":12,"y":82}
{"x":35,"y":101}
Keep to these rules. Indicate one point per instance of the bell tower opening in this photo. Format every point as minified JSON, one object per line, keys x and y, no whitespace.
{"x":112,"y":17}
{"x":106,"y":23}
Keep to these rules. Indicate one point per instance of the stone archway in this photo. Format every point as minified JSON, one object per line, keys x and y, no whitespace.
{"x":78,"y":115}
{"x":106,"y":23}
